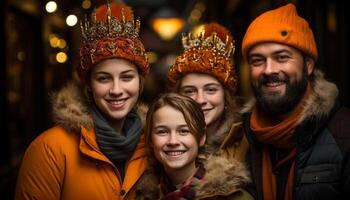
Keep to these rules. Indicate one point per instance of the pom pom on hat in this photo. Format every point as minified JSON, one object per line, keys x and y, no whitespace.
{"x":220,"y":31}
{"x":282,"y":25}
{"x":116,"y":10}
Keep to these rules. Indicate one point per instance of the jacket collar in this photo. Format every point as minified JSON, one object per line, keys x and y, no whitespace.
{"x":223,"y":177}
{"x":70,"y":108}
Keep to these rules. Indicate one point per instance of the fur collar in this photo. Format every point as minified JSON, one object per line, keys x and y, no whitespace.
{"x":319,"y":103}
{"x":223,"y":177}
{"x":215,"y":140}
{"x":70,"y":108}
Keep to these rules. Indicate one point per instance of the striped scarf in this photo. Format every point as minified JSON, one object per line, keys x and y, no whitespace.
{"x":185,"y":191}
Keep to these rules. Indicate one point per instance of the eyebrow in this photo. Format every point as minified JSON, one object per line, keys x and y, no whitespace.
{"x":282,"y":51}
{"x":164,"y":126}
{"x":206,"y":85}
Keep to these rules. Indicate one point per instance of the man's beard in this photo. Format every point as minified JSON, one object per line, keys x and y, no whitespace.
{"x":276,"y":104}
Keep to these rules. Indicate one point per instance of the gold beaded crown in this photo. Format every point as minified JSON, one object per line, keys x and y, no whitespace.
{"x":211,"y":53}
{"x":111,"y":33}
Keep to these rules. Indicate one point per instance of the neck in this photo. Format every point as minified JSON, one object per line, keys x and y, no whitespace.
{"x":182,"y":175}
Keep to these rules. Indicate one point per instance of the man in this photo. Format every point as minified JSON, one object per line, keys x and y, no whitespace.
{"x":299,"y":135}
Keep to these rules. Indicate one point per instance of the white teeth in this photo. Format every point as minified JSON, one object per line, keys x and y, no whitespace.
{"x":116,"y":102}
{"x":273,"y":84}
{"x":174,"y":153}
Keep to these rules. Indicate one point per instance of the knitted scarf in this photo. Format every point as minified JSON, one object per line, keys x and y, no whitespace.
{"x":185,"y":191}
{"x":281,"y":136}
{"x":116,"y":146}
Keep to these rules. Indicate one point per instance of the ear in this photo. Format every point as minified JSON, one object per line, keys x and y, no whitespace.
{"x":310,"y":64}
{"x":202,"y":140}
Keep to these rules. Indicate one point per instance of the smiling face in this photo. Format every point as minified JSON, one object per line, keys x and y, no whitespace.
{"x":279,"y":76}
{"x":174,"y":146}
{"x":208,"y":92}
{"x":115,"y":87}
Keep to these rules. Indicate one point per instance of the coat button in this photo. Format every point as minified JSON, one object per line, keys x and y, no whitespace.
{"x":122,"y":192}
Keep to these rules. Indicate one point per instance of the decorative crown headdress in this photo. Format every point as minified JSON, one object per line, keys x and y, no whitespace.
{"x":213,"y":41}
{"x":111,"y":27}
{"x":111,"y":33}
{"x":210,"y":52}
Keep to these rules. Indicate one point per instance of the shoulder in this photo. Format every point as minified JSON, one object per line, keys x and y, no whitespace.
{"x":339,"y":126}
{"x":147,"y":186}
{"x":223,"y":177}
{"x":54,"y":140}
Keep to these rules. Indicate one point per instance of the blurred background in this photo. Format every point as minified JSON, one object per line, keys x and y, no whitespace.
{"x":40,"y":41}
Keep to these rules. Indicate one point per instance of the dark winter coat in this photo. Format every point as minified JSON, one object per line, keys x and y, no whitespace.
{"x":322,"y":142}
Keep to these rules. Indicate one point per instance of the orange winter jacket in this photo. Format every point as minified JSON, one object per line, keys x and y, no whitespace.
{"x":65,"y":161}
{"x":62,"y":165}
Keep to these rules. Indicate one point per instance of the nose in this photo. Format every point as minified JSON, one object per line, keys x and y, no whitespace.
{"x":271,"y":67}
{"x":201,"y":98}
{"x":173,"y":140}
{"x":115,"y":89}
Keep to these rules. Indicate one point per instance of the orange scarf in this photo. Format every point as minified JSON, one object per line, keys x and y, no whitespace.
{"x":281,"y":136}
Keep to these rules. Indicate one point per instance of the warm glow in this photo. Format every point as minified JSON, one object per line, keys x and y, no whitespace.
{"x":71,"y":20}
{"x":21,"y":56}
{"x":51,"y":6}
{"x":197,"y":30}
{"x":152,"y":57}
{"x":54,"y":42}
{"x":167,"y":28}
{"x":61,"y":57}
{"x":86,"y":4}
{"x":61,"y":43}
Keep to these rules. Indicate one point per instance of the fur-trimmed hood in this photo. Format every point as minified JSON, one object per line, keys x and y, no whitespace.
{"x":222,"y":178}
{"x":70,"y":108}
{"x":320,"y":102}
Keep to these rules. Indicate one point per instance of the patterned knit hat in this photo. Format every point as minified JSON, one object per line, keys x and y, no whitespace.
{"x":282,"y":25}
{"x":111,"y":33}
{"x":211,"y":53}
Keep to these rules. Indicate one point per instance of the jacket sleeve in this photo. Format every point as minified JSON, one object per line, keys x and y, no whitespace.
{"x":41,"y":172}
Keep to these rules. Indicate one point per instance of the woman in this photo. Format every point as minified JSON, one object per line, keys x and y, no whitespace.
{"x":97,"y":150}
{"x":175,"y":131}
{"x":205,"y":73}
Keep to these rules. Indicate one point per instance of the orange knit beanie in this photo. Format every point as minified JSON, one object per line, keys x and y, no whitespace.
{"x":282,"y":25}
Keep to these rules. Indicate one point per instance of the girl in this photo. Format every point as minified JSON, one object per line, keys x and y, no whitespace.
{"x":97,"y":149}
{"x":175,"y":131}
{"x":205,"y":73}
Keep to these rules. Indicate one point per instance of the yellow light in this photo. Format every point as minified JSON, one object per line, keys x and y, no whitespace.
{"x":51,"y":6}
{"x":197,"y":29}
{"x":71,"y":20}
{"x":21,"y":56}
{"x":167,"y":28}
{"x":86,"y":4}
{"x":54,"y":42}
{"x":61,"y":57}
{"x":152,"y":57}
{"x":61,"y":43}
